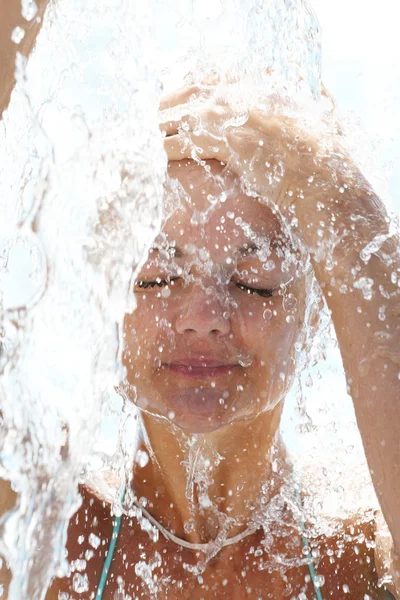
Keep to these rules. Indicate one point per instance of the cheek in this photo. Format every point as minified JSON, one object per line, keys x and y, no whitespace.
{"x":268,"y":327}
{"x":148,"y":327}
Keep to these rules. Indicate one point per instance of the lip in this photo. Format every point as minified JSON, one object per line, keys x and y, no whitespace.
{"x":200,"y":368}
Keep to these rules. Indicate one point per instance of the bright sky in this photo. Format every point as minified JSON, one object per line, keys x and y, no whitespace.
{"x":361,"y":67}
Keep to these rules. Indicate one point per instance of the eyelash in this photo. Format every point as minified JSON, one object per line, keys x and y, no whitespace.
{"x":251,"y":290}
{"x":144,"y":285}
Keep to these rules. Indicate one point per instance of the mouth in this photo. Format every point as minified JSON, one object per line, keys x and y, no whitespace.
{"x":200,"y":368}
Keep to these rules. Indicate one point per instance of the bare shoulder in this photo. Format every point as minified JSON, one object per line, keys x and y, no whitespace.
{"x":89,"y":534}
{"x":347,"y":560}
{"x":384,"y":555}
{"x":88,"y":539}
{"x":8,"y":499}
{"x":7,"y":496}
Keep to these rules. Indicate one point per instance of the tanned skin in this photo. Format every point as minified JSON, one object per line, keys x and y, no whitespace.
{"x":94,"y":516}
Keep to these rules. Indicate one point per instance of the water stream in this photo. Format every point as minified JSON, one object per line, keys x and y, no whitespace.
{"x":82,"y":169}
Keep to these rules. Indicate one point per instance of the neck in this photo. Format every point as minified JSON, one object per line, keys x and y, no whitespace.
{"x":197,"y":485}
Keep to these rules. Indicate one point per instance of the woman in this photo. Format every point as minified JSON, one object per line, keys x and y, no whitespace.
{"x":210,"y":353}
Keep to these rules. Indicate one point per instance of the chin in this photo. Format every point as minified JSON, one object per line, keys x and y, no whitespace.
{"x":199,"y":426}
{"x":193,"y":409}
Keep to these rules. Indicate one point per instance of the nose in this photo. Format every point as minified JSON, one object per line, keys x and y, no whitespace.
{"x":203,"y":314}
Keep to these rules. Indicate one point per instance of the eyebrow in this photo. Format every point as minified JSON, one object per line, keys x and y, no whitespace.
{"x":178,"y":253}
{"x":247,"y":249}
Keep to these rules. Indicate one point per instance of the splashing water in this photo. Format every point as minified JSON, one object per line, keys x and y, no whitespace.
{"x":90,"y":206}
{"x":88,"y":203}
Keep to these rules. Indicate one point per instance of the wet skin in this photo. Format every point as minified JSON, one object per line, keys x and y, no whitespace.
{"x":355,"y":569}
{"x":250,"y":358}
{"x":215,"y":345}
{"x":238,"y":572}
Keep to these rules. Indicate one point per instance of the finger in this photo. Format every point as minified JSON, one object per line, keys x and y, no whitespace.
{"x":200,"y":147}
{"x":177,"y":147}
{"x":173,"y":127}
{"x":181,"y":96}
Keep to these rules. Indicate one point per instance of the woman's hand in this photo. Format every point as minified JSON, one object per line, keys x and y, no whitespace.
{"x":354,"y":250}
{"x":264,"y":147}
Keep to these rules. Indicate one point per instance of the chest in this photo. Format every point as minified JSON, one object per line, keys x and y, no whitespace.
{"x":250,"y":569}
{"x":146,"y":570}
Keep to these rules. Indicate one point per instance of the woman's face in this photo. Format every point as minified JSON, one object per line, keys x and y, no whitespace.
{"x":220,"y":301}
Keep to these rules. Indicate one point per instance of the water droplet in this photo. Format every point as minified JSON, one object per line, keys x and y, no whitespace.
{"x":365,"y":285}
{"x":17,"y":34}
{"x":189,"y":526}
{"x":29,"y":9}
{"x":205,"y":502}
{"x":267,"y":314}
{"x":341,"y":190}
{"x":80,"y":583}
{"x":289,"y":302}
{"x":171,"y":415}
{"x":310,"y":179}
{"x":319,"y":581}
{"x":119,"y":594}
{"x":346,"y":588}
{"x":94,"y":541}
{"x":225,"y":315}
{"x":269,"y":265}
{"x":244,"y":360}
{"x":290,"y":319}
{"x":142,"y":458}
{"x":166,"y":292}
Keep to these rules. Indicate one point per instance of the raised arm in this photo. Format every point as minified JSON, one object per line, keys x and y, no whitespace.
{"x":10,"y":17}
{"x":355,"y":254}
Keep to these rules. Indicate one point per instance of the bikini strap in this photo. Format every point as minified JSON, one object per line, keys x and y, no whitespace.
{"x":114,"y":539}
{"x":109,"y":557}
{"x":311,"y":568}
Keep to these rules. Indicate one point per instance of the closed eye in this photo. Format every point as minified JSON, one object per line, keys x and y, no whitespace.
{"x":146,"y":285}
{"x":264,"y":293}
{"x":159,"y":283}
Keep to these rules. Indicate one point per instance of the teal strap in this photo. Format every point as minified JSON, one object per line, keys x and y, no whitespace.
{"x":313,"y":574}
{"x":109,"y":557}
{"x":311,"y":568}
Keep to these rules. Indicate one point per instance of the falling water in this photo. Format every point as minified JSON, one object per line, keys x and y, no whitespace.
{"x":82,"y":169}
{"x":82,"y":173}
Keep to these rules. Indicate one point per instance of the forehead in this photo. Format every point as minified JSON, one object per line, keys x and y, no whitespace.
{"x":205,"y":206}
